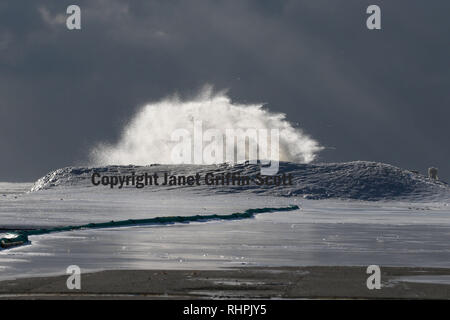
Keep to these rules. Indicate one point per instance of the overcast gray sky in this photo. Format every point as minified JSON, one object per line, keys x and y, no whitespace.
{"x":365,"y":95}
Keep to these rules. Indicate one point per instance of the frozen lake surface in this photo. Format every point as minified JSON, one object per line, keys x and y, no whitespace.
{"x":329,"y":231}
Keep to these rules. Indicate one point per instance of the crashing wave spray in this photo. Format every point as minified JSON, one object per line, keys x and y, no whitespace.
{"x":146,"y":139}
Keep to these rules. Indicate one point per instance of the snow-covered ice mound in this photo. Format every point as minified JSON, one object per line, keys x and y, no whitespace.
{"x":360,"y":180}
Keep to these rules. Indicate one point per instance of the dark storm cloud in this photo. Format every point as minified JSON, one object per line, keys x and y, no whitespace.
{"x":367,"y":95}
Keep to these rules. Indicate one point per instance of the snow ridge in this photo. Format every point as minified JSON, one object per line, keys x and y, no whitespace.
{"x":362,"y":180}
